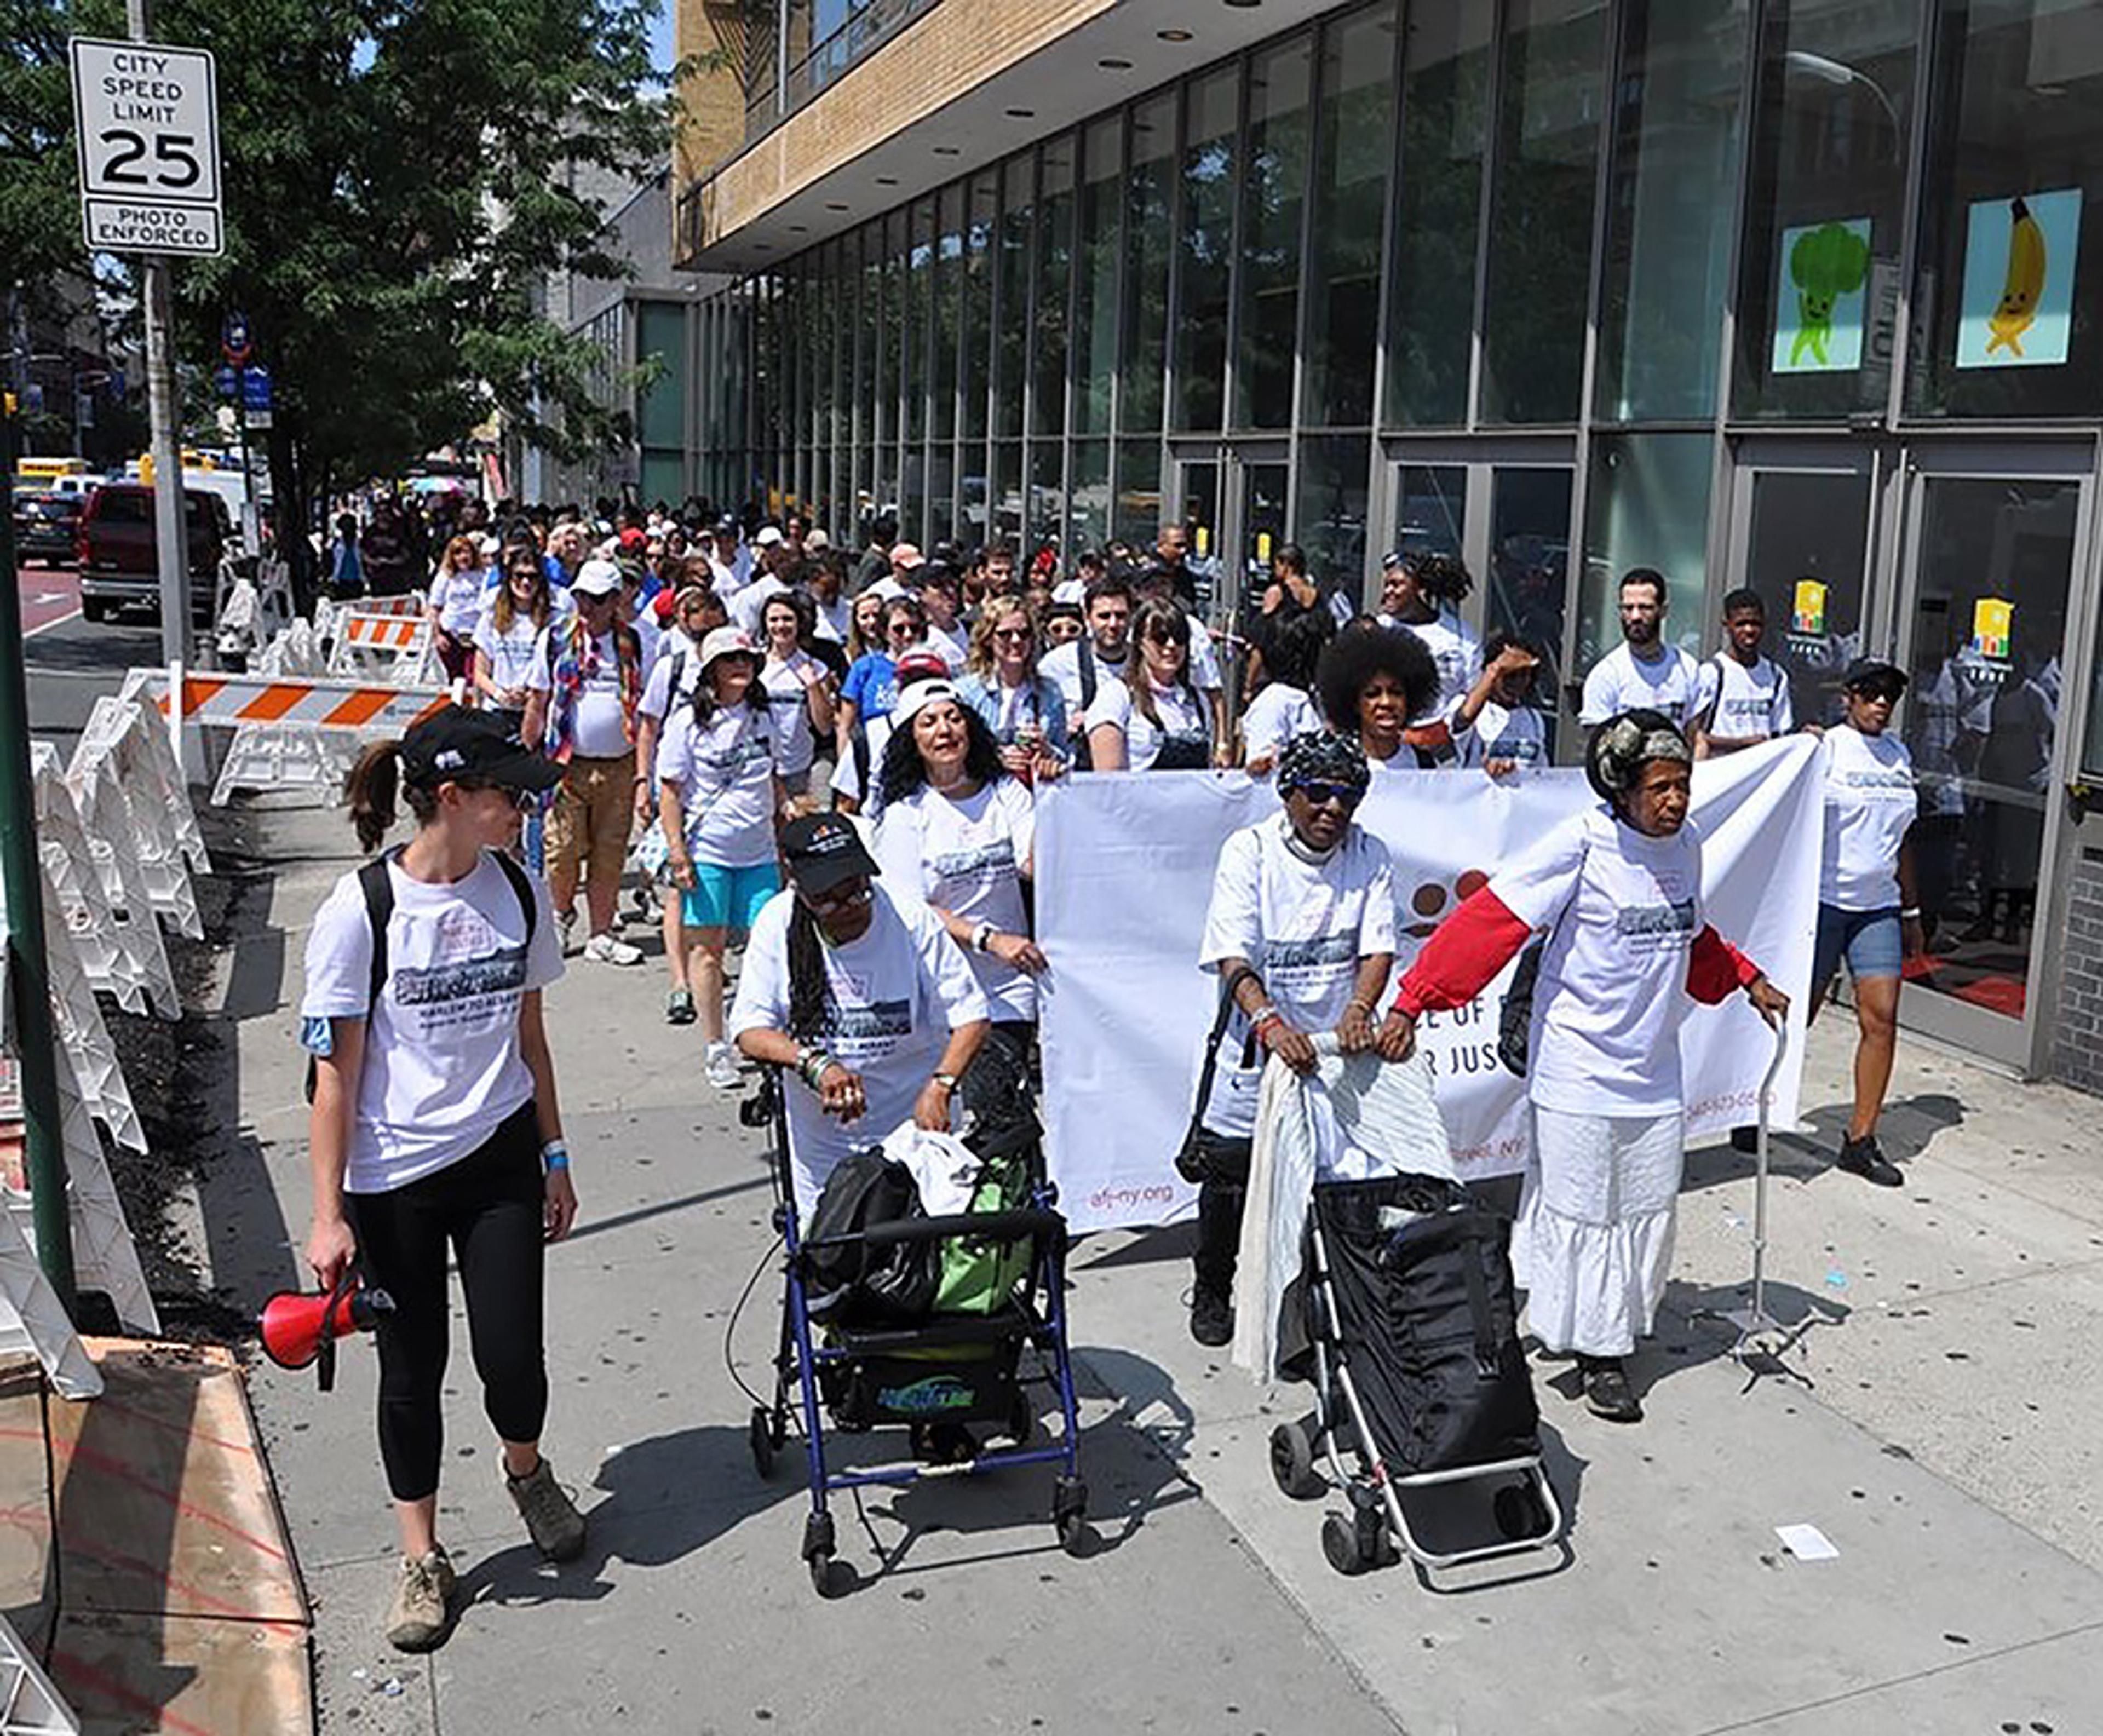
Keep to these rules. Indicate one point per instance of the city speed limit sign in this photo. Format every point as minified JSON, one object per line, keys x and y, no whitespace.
{"x":147,"y":119}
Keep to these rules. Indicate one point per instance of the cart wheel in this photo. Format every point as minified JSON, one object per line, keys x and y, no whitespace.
{"x":1292,"y":1462}
{"x":818,"y":1546}
{"x":1521,"y":1514}
{"x":1339,"y":1546}
{"x":1069,"y":1515}
{"x":759,"y":1436}
{"x":1021,"y":1419}
{"x":1370,"y":1523}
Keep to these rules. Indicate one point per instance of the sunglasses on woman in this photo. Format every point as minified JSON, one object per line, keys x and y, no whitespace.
{"x":1012,"y":634}
{"x":1321,"y":795}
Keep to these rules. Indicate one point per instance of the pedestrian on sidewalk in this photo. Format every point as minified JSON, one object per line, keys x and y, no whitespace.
{"x":584,"y":685}
{"x":1868,"y":910}
{"x":435,"y":1125}
{"x":1616,"y":888}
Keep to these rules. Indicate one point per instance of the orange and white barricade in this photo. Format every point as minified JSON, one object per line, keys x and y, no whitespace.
{"x":383,"y":647}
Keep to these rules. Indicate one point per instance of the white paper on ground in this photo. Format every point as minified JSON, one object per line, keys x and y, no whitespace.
{"x":1807,"y":1542}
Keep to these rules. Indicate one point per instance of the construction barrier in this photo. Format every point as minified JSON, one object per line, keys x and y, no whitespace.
{"x":157,"y":804}
{"x":84,"y":1032}
{"x":29,"y":1705}
{"x":329,"y":703}
{"x":118,"y":943}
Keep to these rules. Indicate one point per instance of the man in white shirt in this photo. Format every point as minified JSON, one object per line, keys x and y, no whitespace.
{"x":1745,"y":697}
{"x":1083,"y":664}
{"x":946,"y":628}
{"x":1644,"y":673}
{"x":766,"y":582}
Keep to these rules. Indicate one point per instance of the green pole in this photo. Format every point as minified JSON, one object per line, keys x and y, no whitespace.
{"x":29,"y":973}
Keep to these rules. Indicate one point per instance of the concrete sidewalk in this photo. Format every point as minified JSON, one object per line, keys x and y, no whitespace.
{"x":1947,"y":1445}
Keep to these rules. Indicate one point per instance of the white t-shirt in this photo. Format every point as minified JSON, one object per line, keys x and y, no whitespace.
{"x":952,"y":644}
{"x":510,"y":654}
{"x":968,"y":856}
{"x":892,"y":997}
{"x":601,"y":731}
{"x":1305,"y":926}
{"x":724,"y":772}
{"x":789,"y":697}
{"x":834,"y":617}
{"x":442,"y":1064}
{"x":1274,"y":716}
{"x":1870,"y":801}
{"x":1623,"y":910}
{"x":1204,"y":659}
{"x":750,"y":604}
{"x":458,"y":598}
{"x":672,"y":677}
{"x":1184,"y":717}
{"x":1456,"y":651}
{"x":1501,"y":733}
{"x":1062,"y":663}
{"x":1743,"y":704}
{"x":847,"y":779}
{"x":1620,"y":680}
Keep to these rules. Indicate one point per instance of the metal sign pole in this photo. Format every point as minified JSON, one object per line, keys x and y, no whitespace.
{"x":171,"y":533}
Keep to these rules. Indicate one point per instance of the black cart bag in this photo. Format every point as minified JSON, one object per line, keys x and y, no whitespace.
{"x":1421,"y":1277}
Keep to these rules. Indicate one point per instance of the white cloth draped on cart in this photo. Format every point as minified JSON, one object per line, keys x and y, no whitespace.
{"x":1356,"y":1117}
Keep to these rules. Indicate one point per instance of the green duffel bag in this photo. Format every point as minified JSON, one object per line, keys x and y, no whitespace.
{"x":979,"y":1275}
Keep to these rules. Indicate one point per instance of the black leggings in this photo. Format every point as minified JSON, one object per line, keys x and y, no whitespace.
{"x":488,"y":1207}
{"x":1222,"y":1195}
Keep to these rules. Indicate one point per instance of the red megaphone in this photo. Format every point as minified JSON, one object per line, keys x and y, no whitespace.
{"x":300,"y":1327}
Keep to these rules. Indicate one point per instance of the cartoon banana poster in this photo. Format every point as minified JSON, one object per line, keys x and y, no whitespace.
{"x":2019,"y":264}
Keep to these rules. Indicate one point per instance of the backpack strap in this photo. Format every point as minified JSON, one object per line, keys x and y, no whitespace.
{"x":1088,"y":662}
{"x":377,"y":885}
{"x":521,"y":888}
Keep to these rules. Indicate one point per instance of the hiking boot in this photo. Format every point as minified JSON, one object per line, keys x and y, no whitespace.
{"x":722,"y":1066}
{"x":1607,"y":1393}
{"x":552,"y":1519}
{"x":609,"y":948}
{"x":1212,"y":1316}
{"x":679,"y":1007}
{"x":1865,"y":1158}
{"x":418,"y":1615}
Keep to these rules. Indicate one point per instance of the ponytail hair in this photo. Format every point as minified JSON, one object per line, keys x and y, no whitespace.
{"x":808,"y":1000}
{"x":373,"y":788}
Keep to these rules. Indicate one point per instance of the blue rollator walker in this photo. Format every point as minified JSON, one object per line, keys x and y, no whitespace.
{"x":949,"y":1367}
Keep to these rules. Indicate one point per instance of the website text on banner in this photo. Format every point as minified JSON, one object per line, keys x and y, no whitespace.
{"x":1124,"y":871}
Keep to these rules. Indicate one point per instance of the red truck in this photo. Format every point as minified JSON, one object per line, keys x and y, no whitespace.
{"x":118,"y":567}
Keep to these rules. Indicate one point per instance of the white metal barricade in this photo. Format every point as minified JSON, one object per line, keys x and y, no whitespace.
{"x":116,"y":950}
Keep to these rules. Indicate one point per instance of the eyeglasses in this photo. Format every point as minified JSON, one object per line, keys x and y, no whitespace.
{"x":1321,"y":795}
{"x":1013,"y":635}
{"x":900,"y":629}
{"x":1166,"y":638}
{"x":851,"y":895}
{"x":526,"y":801}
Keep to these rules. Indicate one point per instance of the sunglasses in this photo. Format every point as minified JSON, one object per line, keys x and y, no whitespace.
{"x":849,"y":895}
{"x":1013,"y":635}
{"x":1321,"y":795}
{"x":526,"y":801}
{"x":1168,"y":638}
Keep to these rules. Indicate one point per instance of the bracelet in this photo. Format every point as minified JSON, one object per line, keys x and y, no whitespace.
{"x":555,"y":1156}
{"x":1263,"y":1015}
{"x":1911,"y":913}
{"x":982,"y":937}
{"x":811,"y":1065}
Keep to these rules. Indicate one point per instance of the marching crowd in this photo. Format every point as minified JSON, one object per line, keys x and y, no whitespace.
{"x":737,"y":701}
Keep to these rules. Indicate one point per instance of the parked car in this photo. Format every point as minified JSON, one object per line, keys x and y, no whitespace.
{"x":118,"y":567}
{"x":47,"y":525}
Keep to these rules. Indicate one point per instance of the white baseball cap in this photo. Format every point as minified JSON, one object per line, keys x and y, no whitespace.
{"x":769,"y":535}
{"x":597,"y":578}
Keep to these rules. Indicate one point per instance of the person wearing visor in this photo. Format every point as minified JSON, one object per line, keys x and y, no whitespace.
{"x":1301,"y":932}
{"x":1617,"y":891}
{"x":435,"y":1136}
{"x":861,"y":998}
{"x":1868,"y":910}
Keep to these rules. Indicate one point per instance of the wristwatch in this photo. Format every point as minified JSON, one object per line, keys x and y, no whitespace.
{"x":947,"y":1082}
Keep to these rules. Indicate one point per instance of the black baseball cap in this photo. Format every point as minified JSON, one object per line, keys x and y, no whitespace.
{"x":822,"y":850}
{"x":1868,"y":674}
{"x":456,"y":745}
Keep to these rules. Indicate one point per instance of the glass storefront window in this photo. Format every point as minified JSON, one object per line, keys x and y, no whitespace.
{"x":1149,"y":216}
{"x":1205,"y":251}
{"x":1807,"y":553}
{"x":1529,"y":559}
{"x":2011,"y":239}
{"x":868,"y":341}
{"x":1007,"y":494}
{"x":1045,"y":524}
{"x":1818,"y":287}
{"x":1430,"y":509}
{"x":1648,"y":506}
{"x":919,"y":301}
{"x":1273,"y":199}
{"x":1445,"y":129}
{"x":1350,"y":201}
{"x":1055,"y":260}
{"x":949,"y":309}
{"x":1095,"y":277}
{"x":1090,"y":500}
{"x":978,"y":223}
{"x":1675,"y":157}
{"x":1136,"y":515}
{"x":1011,"y":360}
{"x":941,"y":492}
{"x":1541,"y":215}
{"x":1329,"y":520}
{"x":890,"y":359}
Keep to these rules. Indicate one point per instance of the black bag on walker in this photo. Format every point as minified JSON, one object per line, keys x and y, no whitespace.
{"x":849,"y":1283}
{"x":1421,"y":1274}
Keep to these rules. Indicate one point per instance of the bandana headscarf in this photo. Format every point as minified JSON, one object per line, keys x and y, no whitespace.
{"x":1319,"y":757}
{"x":1621,"y":746}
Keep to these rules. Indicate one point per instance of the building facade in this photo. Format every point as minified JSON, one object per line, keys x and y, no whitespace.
{"x":1803,"y":295}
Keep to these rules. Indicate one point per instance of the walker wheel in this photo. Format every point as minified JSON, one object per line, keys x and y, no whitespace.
{"x":1293,"y":1461}
{"x":1522,"y":1516}
{"x":818,"y":1546}
{"x":1339,"y":1546}
{"x":1069,"y":1515}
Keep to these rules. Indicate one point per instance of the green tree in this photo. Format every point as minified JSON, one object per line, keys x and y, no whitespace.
{"x":400,"y":175}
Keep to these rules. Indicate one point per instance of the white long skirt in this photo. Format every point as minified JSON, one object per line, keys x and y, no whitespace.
{"x":1593,"y":1240}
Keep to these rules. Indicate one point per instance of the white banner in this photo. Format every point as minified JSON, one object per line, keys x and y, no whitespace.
{"x":1124,"y":872}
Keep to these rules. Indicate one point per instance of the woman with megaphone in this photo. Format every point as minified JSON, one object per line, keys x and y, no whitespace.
{"x":435,"y":1128}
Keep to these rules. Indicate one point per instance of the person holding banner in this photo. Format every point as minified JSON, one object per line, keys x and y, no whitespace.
{"x":1617,"y":891}
{"x":1373,"y":680}
{"x":1301,"y":929}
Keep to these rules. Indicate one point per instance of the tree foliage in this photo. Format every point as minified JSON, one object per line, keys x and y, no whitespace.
{"x":400,"y":176}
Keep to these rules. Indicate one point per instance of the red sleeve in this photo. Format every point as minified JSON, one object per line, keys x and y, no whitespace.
{"x":1715,"y":969}
{"x":1468,"y":948}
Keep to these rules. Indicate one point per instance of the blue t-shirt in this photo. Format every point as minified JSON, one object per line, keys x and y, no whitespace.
{"x":873,"y":684}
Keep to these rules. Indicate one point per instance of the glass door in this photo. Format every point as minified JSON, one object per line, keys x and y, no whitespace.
{"x":1991,"y":566}
{"x":1800,"y":538}
{"x":1233,"y":500}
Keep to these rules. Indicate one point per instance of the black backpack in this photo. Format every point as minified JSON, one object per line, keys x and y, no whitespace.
{"x":377,"y":886}
{"x":854,"y":1283}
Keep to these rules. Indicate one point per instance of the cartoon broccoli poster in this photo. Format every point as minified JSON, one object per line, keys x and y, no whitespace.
{"x":1825,"y":272}
{"x":2019,"y":259}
